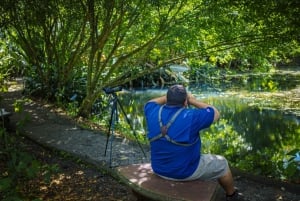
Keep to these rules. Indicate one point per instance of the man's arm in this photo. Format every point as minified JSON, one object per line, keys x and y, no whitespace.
{"x":198,"y":104}
{"x":159,"y":100}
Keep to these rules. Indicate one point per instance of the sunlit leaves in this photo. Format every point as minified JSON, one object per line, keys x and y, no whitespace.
{"x":110,"y":43}
{"x":222,"y":138}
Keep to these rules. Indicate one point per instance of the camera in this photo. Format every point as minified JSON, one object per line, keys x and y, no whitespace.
{"x":109,"y":90}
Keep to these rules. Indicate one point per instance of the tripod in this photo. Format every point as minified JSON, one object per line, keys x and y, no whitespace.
{"x":113,"y":119}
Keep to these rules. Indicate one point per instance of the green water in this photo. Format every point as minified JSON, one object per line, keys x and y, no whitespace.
{"x":260,"y":122}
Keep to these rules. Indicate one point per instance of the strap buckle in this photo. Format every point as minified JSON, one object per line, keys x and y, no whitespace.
{"x":164,"y":130}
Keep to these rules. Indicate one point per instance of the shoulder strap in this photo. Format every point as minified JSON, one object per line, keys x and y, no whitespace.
{"x":171,"y":120}
{"x":164,"y":129}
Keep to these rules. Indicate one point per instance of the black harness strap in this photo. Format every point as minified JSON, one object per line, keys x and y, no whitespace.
{"x":164,"y":129}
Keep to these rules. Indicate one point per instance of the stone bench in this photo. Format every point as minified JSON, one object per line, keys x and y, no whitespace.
{"x":4,"y":116}
{"x":148,"y":186}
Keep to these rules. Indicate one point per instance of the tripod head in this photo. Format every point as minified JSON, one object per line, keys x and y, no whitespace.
{"x":114,"y":117}
{"x":109,"y":90}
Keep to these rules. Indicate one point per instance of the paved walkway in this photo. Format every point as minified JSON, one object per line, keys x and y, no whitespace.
{"x":51,"y":128}
{"x":87,"y":144}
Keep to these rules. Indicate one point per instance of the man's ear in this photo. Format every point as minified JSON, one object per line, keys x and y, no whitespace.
{"x":186,"y":103}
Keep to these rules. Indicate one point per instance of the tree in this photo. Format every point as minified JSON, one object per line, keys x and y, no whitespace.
{"x":60,"y":38}
{"x":111,"y":42}
{"x":50,"y":36}
{"x":241,"y":30}
{"x":122,"y":34}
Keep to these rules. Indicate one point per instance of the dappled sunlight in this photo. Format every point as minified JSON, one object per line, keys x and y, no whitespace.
{"x":74,"y":184}
{"x":145,"y":182}
{"x":142,"y":174}
{"x":16,"y":85}
{"x":60,"y":179}
{"x":79,"y":172}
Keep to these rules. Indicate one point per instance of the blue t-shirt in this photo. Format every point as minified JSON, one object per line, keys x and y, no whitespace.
{"x":168,"y":159}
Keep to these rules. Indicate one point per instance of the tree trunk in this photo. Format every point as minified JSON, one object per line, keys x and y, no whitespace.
{"x":85,"y":108}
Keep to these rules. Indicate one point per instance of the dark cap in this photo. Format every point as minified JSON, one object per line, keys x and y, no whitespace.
{"x":176,"y":95}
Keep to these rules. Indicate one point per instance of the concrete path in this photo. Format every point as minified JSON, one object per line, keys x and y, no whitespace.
{"x":51,"y":128}
{"x":88,"y":145}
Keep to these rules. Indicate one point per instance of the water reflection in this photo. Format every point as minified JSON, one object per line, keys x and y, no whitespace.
{"x":261,"y":127}
{"x":253,"y":82}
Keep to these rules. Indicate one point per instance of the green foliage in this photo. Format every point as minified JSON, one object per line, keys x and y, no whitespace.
{"x":68,"y":47}
{"x":11,"y":63}
{"x":291,"y":166}
{"x":18,"y":108}
{"x":19,"y":166}
{"x":247,"y":139}
{"x":131,"y":125}
{"x":223,"y":139}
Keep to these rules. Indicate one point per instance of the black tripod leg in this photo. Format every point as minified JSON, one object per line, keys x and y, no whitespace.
{"x":111,"y":122}
{"x":130,"y":125}
{"x":109,"y":130}
{"x":111,"y":139}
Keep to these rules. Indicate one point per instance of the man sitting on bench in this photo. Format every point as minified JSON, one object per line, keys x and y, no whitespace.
{"x":173,"y":132}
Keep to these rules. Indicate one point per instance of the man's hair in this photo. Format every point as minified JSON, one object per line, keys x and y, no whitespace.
{"x":176,"y":95}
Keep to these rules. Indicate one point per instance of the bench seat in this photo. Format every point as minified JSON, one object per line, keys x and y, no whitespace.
{"x":4,"y":116}
{"x":148,"y":186}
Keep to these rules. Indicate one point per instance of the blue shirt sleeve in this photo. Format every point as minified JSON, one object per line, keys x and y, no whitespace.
{"x":151,"y":113}
{"x":204,"y":117}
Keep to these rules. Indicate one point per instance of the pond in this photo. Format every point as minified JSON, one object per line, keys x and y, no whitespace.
{"x":260,"y":121}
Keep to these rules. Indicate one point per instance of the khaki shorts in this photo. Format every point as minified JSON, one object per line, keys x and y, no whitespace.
{"x":211,"y":167}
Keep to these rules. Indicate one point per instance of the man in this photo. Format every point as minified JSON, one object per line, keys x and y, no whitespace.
{"x":173,"y":132}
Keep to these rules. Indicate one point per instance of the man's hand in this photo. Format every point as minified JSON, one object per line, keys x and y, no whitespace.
{"x":190,"y":98}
